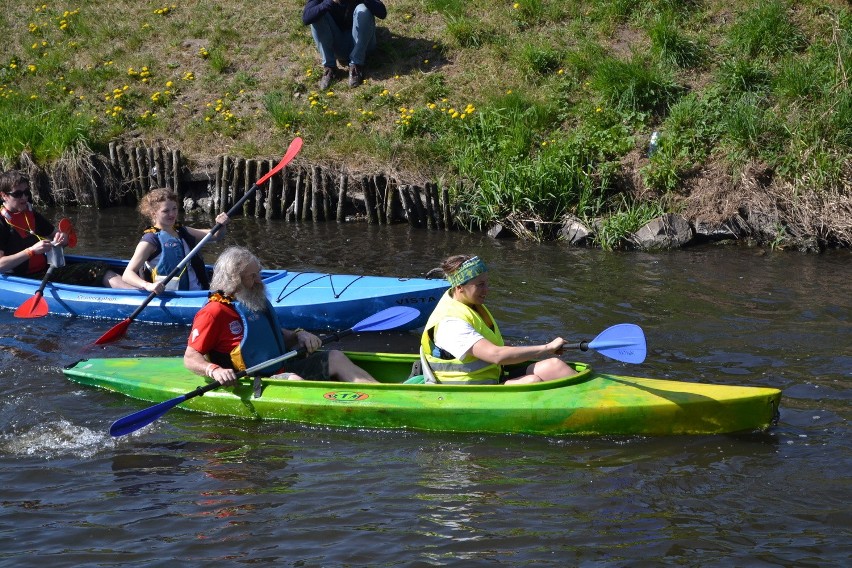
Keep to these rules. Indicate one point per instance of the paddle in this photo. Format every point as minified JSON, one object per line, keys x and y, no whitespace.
{"x":66,"y":227}
{"x":118,"y":331}
{"x":36,"y":307}
{"x":386,"y":319}
{"x":622,"y":342}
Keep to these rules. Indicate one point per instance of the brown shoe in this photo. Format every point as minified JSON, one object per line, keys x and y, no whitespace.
{"x":356,"y":75}
{"x":328,"y":74}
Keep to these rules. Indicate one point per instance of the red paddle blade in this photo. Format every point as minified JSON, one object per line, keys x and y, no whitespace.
{"x":67,"y":227}
{"x":115,"y":333}
{"x":35,"y":307}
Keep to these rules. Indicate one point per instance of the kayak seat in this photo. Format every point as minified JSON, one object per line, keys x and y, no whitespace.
{"x":416,"y":377}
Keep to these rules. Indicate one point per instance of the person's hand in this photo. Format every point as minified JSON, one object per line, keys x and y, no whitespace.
{"x":41,"y":247}
{"x":222,"y":218}
{"x":155,"y":287}
{"x":60,"y":239}
{"x":308,"y":340}
{"x":224,"y":376}
{"x":557,"y":346}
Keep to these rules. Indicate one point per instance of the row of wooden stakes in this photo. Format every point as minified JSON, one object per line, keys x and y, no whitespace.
{"x":297,"y":193}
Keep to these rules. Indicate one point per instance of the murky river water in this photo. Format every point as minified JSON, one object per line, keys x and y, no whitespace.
{"x":195,"y":490}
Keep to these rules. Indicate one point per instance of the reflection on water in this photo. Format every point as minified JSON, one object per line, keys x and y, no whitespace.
{"x":201,"y":489}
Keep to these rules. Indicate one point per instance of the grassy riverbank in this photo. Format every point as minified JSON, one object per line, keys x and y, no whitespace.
{"x":541,"y":108}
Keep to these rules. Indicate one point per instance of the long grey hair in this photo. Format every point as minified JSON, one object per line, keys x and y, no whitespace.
{"x":229,"y":267}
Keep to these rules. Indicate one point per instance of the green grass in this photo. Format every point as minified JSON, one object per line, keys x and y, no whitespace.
{"x":531,"y":107}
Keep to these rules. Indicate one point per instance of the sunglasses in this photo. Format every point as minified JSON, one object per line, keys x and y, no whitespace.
{"x":20,"y":193}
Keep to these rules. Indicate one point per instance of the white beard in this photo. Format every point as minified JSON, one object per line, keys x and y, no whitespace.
{"x":253,"y":298}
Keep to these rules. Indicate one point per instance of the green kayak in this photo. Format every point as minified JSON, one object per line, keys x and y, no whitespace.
{"x":588,"y":403}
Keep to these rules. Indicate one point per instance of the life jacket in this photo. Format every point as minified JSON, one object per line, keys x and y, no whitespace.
{"x":446,"y":368}
{"x":262,"y":337}
{"x":169,"y":254}
{"x":22,"y":226}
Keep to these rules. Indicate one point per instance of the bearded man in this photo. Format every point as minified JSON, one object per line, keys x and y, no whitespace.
{"x":238,"y":329}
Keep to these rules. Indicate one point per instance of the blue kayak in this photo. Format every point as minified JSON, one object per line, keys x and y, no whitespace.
{"x":312,"y":300}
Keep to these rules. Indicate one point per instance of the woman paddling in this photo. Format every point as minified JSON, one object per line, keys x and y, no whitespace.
{"x":165,"y":244}
{"x":461,"y":343}
{"x":27,"y":238}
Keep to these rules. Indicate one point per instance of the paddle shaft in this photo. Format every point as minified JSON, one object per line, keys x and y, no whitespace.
{"x":581,"y":345}
{"x":43,"y":285}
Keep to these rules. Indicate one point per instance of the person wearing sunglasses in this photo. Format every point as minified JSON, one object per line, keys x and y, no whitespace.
{"x":27,"y":237}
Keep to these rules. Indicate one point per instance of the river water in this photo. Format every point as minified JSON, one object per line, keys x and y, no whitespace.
{"x":202,"y":490}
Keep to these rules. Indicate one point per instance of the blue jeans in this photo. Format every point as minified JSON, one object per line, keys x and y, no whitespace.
{"x":332,"y":42}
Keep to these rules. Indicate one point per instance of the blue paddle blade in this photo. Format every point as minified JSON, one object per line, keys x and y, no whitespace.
{"x":142,"y":418}
{"x":388,"y":318}
{"x":622,"y":342}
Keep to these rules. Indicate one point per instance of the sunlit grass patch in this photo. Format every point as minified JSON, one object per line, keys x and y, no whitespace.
{"x":45,"y":130}
{"x":635,"y":84}
{"x":767,"y":29}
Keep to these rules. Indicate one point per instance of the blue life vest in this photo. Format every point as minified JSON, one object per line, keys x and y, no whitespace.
{"x":262,"y":339}
{"x":170,"y":252}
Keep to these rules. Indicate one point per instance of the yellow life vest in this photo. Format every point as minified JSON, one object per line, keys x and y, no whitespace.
{"x":470,"y":370}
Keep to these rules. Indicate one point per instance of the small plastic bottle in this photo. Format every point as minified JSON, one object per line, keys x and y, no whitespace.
{"x":654,"y":143}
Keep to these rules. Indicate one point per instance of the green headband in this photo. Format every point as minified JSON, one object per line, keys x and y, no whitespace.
{"x":470,"y":269}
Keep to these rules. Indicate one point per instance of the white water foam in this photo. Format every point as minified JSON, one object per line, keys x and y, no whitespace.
{"x":60,"y":438}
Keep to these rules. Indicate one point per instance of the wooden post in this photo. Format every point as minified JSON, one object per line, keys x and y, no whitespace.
{"x":288,"y":190}
{"x":381,"y":199}
{"x":165,"y":169}
{"x":162,"y":179}
{"x":121,"y":155}
{"x":273,"y":194}
{"x":225,"y":194}
{"x":253,"y":203}
{"x":341,"y":197}
{"x":137,"y":175}
{"x":326,"y":196}
{"x":407,"y":204}
{"x":445,"y":205}
{"x":124,"y":170}
{"x":316,"y":185}
{"x":369,"y":200}
{"x":297,"y":199}
{"x":306,"y":195}
{"x":419,"y":211}
{"x":427,"y":193}
{"x":216,"y":202}
{"x":175,"y":173}
{"x":149,"y":169}
{"x":236,"y":182}
{"x":390,"y":196}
